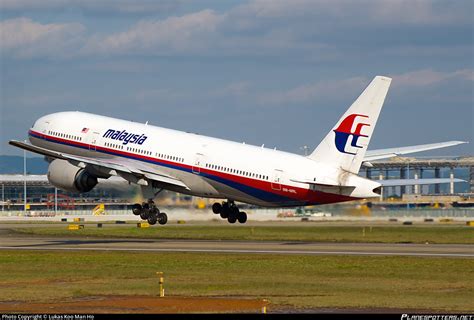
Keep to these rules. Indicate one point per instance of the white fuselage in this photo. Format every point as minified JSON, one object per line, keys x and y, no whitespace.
{"x":210,"y":167}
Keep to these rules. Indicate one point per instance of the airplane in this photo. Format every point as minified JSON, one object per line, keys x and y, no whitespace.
{"x":82,"y":148}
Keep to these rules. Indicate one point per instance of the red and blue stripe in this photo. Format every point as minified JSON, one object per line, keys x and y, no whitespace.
{"x":255,"y":188}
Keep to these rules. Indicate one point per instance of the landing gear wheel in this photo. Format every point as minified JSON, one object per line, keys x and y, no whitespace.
{"x":217,"y":208}
{"x":162,"y":218}
{"x":136,"y":209}
{"x":234,"y":210}
{"x":225,"y":210}
{"x":152,"y":219}
{"x":224,"y":214}
{"x":144,"y":214}
{"x":232,"y":218}
{"x":242,"y":217}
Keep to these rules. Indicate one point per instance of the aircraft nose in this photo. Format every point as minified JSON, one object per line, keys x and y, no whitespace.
{"x":41,"y":125}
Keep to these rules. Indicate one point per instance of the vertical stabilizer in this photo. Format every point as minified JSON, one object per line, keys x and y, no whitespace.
{"x":345,"y":145}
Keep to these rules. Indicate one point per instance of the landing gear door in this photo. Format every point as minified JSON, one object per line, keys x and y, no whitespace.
{"x":276,"y":179}
{"x":198,"y":163}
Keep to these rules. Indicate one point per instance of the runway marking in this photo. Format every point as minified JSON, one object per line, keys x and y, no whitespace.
{"x":421,"y":254}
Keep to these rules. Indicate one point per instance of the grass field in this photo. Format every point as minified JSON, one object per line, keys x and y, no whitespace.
{"x":384,"y":234}
{"x":287,"y":281}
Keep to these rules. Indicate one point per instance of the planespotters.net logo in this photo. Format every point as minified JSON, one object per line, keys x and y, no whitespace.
{"x":437,"y":316}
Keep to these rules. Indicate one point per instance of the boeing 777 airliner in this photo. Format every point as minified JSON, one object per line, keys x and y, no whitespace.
{"x":82,"y":148}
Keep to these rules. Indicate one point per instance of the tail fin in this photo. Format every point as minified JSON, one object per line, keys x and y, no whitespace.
{"x":345,"y":145}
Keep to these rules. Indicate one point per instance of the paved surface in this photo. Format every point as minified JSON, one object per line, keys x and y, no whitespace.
{"x":14,"y":241}
{"x":26,"y":242}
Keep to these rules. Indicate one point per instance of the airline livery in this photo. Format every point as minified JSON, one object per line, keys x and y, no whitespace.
{"x":82,"y":148}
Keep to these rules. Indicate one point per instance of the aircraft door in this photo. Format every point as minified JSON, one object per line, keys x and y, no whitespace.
{"x":198,"y":163}
{"x":276,"y":179}
{"x":93,"y":141}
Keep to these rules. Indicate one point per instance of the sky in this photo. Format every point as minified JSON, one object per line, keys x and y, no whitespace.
{"x":279,"y":73}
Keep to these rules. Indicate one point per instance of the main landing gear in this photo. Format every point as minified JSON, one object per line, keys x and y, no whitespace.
{"x":228,"y":210}
{"x":148,"y":211}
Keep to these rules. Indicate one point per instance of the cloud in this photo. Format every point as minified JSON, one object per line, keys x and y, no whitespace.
{"x":204,"y":32}
{"x":234,"y":89}
{"x":350,"y":87}
{"x":416,"y":12}
{"x":10,"y":5}
{"x":316,"y":30}
{"x":185,"y":34}
{"x":122,"y":66}
{"x":315,"y":91}
{"x":92,"y":6}
{"x":22,"y":37}
{"x":428,"y":77}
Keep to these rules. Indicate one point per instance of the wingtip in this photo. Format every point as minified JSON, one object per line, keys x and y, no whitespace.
{"x":385,"y":78}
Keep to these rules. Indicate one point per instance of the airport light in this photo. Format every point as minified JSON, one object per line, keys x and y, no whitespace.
{"x":55,"y":200}
{"x":24,"y":174}
{"x":161,"y":281}
{"x":264,"y":308}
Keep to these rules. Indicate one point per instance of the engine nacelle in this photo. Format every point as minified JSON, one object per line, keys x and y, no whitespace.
{"x":65,"y":176}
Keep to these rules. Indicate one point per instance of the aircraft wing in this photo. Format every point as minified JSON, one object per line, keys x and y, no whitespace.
{"x":414,"y":182}
{"x":132,"y":171}
{"x":377,"y":154}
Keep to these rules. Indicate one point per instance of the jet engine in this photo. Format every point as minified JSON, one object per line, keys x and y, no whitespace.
{"x":66,"y":176}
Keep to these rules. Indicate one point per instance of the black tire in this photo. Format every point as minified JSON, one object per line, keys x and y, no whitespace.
{"x":234,"y":210}
{"x":137,"y":209}
{"x":232,"y":218}
{"x":224,"y":214}
{"x":155,"y":211}
{"x":217,"y":208}
{"x":162,"y":218}
{"x":242,"y":217}
{"x":225,"y":206}
{"x":144,"y":214}
{"x":152,"y":219}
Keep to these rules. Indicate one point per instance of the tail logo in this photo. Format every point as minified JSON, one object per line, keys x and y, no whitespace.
{"x":344,"y":131}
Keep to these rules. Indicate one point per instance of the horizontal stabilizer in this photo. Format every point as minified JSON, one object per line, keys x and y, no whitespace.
{"x":415,"y":182}
{"x":329,"y":188}
{"x":377,"y":154}
{"x":313,"y":183}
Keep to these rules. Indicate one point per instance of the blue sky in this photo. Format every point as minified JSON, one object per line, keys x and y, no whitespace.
{"x":274,"y":72}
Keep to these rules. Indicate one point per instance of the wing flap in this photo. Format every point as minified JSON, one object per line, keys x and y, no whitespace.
{"x":31,"y":148}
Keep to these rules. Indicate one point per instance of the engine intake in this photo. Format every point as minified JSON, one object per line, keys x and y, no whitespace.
{"x":66,"y":176}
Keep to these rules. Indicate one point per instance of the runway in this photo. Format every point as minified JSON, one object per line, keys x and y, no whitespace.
{"x":26,"y":242}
